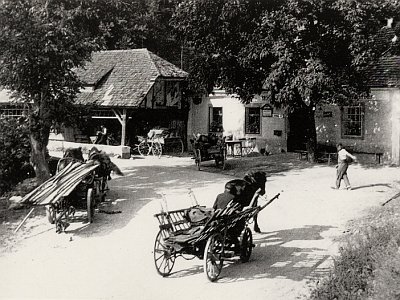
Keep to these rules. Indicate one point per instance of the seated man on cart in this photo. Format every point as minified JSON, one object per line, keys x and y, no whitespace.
{"x":229,"y":198}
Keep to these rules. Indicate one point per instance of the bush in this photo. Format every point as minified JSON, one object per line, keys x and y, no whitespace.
{"x":368,"y":266}
{"x":14,"y":152}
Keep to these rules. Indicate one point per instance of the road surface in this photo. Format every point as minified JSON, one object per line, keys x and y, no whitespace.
{"x":112,"y":257}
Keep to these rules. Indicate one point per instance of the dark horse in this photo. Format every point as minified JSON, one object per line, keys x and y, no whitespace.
{"x":246,"y":188}
{"x":75,"y":155}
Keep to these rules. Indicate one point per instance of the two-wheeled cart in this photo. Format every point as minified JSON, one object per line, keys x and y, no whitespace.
{"x":206,"y":147}
{"x":158,"y":142}
{"x":222,"y":236}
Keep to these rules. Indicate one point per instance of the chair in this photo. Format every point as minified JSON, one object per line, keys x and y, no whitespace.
{"x":248,"y":145}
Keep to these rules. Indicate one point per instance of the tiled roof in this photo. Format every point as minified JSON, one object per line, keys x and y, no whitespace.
{"x":385,"y":73}
{"x":124,"y":77}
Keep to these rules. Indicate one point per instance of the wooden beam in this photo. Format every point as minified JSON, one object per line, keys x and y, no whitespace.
{"x":117,"y":114}
{"x":123,"y":123}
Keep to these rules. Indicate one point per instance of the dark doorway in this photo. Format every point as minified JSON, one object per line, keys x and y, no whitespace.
{"x":297,"y":130}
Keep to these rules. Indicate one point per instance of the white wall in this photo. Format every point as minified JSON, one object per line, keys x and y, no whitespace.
{"x":234,"y":120}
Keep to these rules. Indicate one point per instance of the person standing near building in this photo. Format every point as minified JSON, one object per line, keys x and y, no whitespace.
{"x":344,"y":158}
{"x":102,"y":136}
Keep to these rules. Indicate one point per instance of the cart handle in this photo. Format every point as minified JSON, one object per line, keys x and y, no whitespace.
{"x":193,"y":197}
{"x":270,"y":201}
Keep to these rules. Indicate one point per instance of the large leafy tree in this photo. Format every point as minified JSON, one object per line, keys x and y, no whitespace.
{"x":302,"y":52}
{"x":41,"y":42}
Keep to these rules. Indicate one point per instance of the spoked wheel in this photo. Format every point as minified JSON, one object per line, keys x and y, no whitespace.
{"x":51,"y":214}
{"x":164,"y":256}
{"x":156,"y":149}
{"x":246,"y":244}
{"x":90,"y":202}
{"x":176,"y":147}
{"x":197,"y":158}
{"x":144,"y":148}
{"x":213,"y":253}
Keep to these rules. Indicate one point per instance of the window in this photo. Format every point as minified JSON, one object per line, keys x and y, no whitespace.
{"x":215,"y":119}
{"x":252,"y":120}
{"x":12,"y":110}
{"x":353,"y":121}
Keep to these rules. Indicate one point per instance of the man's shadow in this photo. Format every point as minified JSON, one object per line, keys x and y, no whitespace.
{"x":371,"y":185}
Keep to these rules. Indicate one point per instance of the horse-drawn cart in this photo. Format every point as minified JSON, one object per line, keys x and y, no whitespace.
{"x":209,"y":147}
{"x":214,"y":236}
{"x":76,"y":186}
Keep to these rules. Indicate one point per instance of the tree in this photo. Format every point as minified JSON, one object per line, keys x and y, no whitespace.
{"x":41,"y":42}
{"x":302,"y":52}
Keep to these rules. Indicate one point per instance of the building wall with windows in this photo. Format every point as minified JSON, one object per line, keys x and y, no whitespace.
{"x":367,"y":127}
{"x":225,"y":115}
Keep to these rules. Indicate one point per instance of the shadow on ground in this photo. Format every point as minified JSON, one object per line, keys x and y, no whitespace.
{"x":278,"y":254}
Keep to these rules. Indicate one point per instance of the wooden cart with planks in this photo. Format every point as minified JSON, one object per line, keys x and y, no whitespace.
{"x":214,"y":236}
{"x":78,"y":186}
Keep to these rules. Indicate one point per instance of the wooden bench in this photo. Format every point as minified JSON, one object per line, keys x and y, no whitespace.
{"x":378,"y":155}
{"x":303,"y":154}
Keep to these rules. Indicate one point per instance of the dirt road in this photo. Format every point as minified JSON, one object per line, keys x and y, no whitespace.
{"x":112,"y":258}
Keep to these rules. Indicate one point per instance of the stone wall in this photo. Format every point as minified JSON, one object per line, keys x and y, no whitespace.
{"x":119,"y":151}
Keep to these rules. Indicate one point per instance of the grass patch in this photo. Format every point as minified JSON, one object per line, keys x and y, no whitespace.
{"x":368,"y":265}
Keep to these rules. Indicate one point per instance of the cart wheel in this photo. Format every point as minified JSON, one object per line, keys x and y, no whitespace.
{"x":90,"y":201}
{"x":177,"y":147}
{"x":164,"y":256}
{"x":156,"y":148}
{"x":51,"y":214}
{"x":213,"y":257}
{"x":246,"y":244}
{"x":144,"y":148}
{"x":198,"y":158}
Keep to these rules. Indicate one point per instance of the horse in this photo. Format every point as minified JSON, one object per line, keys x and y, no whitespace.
{"x":245,"y":189}
{"x":106,"y":165}
{"x":70,"y":155}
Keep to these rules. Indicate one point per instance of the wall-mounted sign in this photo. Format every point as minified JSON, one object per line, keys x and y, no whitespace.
{"x":266,"y":110}
{"x":327,"y":114}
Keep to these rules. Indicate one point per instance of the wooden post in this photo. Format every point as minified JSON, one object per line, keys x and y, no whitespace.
{"x":123,"y":131}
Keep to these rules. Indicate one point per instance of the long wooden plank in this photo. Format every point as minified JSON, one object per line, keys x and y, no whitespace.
{"x":44,"y":192}
{"x":70,"y":178}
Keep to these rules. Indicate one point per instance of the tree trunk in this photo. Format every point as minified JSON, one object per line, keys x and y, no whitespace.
{"x":311,"y":134}
{"x":38,"y":158}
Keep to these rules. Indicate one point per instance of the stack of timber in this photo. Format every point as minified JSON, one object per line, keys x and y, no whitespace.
{"x":60,"y":185}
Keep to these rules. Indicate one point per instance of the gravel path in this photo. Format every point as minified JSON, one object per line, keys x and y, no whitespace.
{"x":112,"y":258}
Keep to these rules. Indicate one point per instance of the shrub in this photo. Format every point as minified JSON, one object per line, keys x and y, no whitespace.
{"x":14,"y":152}
{"x":368,"y":266}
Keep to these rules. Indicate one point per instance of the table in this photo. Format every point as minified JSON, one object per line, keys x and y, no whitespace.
{"x":231,"y":144}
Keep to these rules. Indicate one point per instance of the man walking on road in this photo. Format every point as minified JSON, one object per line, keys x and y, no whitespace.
{"x":344,"y":158}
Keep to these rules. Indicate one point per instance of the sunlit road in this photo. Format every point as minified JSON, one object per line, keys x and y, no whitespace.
{"x":112,"y":257}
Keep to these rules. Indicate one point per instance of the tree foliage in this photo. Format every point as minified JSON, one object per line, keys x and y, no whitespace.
{"x":41,"y":43}
{"x":301,"y":52}
{"x":14,"y":152}
{"x":298,"y":50}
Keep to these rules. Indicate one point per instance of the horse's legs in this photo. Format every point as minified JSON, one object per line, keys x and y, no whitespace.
{"x":256,"y":228}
